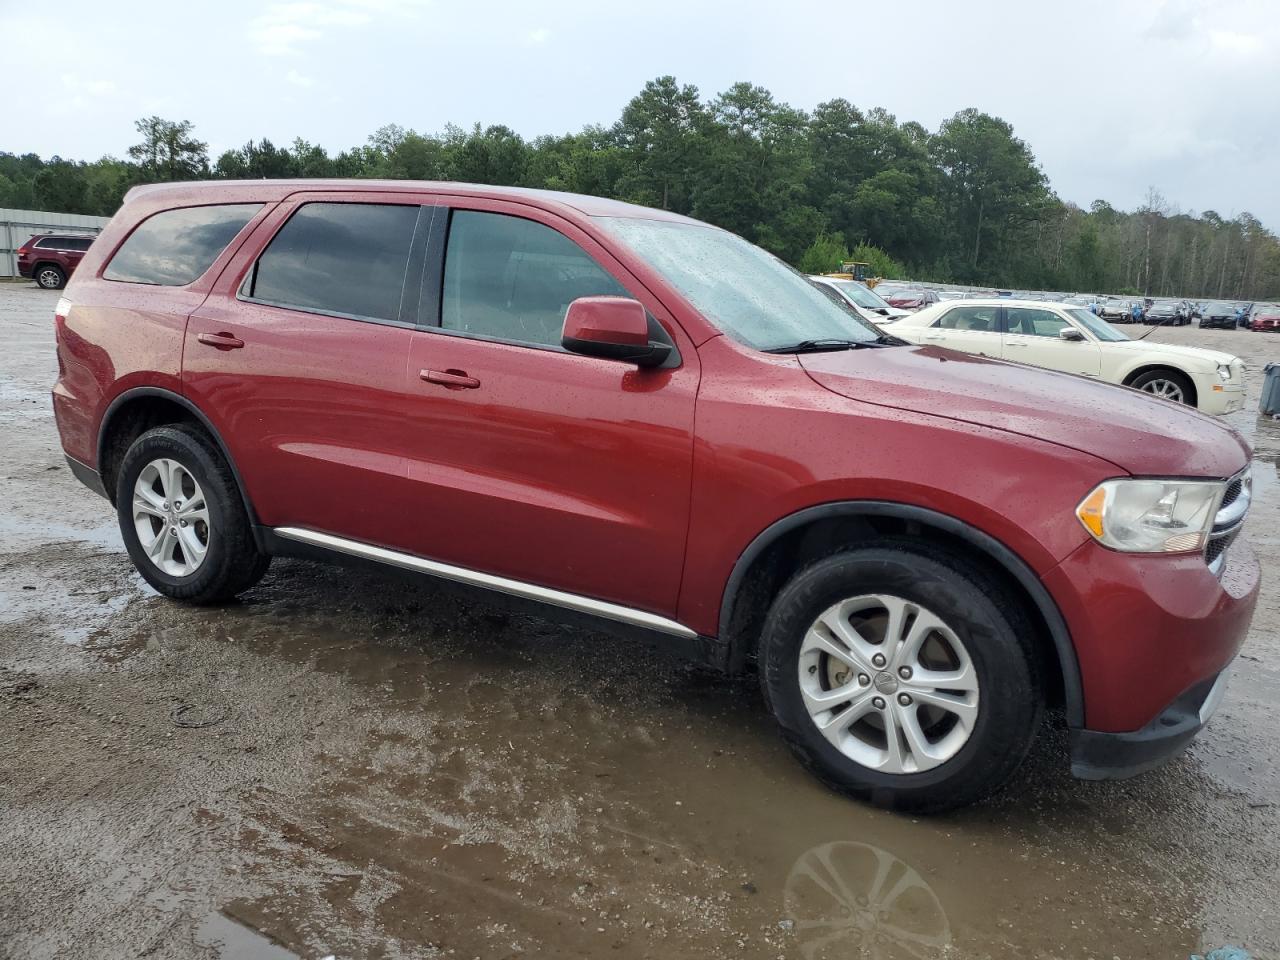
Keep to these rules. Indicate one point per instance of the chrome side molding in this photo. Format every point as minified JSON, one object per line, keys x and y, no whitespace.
{"x":515,"y":588}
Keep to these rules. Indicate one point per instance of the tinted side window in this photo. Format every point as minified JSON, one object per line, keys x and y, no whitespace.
{"x":343,"y":258}
{"x":1035,"y":323}
{"x":81,"y":243}
{"x":979,"y":319}
{"x":45,"y":244}
{"x":174,"y":247}
{"x":513,"y":279}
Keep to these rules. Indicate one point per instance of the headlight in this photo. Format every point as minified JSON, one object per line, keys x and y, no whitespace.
{"x":1224,"y":371}
{"x":1151,"y":516}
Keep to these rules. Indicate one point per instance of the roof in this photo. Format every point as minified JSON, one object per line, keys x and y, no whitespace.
{"x":206,"y":191}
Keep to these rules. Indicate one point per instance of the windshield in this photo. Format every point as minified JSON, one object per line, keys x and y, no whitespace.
{"x":1219,"y":306}
{"x":749,"y":294}
{"x":860,"y":295}
{"x":1095,"y":325}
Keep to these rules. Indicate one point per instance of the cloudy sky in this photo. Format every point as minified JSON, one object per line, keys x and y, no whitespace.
{"x":1114,"y":96}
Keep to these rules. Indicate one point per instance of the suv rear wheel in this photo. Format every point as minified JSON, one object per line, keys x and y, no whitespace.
{"x":900,"y":676}
{"x":50,"y":276}
{"x":182,"y":518}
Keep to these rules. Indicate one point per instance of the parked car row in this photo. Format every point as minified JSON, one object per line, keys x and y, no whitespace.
{"x":552,"y":397}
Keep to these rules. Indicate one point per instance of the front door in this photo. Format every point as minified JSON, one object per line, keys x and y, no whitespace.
{"x":528,"y":461}
{"x":1033,"y":335}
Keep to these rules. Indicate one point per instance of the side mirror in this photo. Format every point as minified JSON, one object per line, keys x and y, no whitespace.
{"x":615,"y":328}
{"x":1071,"y":333}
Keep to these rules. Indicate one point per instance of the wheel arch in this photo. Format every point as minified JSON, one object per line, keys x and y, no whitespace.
{"x":40,"y":264}
{"x":1152,"y":366}
{"x":137,"y":410}
{"x":813,"y":531}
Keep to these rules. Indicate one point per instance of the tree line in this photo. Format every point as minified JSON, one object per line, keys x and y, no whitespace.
{"x":967,"y":203}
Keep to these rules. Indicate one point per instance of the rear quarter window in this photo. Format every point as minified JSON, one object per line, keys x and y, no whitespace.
{"x":174,"y":247}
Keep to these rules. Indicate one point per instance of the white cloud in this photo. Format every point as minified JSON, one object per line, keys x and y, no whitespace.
{"x":80,"y":87}
{"x":1236,"y":44}
{"x":283,"y":29}
{"x":299,"y":79}
{"x":535,"y":38}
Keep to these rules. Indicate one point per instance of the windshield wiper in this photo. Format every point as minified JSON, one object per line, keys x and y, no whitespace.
{"x":825,"y":344}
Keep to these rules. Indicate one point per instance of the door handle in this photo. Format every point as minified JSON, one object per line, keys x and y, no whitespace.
{"x":223,"y":341}
{"x":934,"y":337}
{"x":452,"y":379}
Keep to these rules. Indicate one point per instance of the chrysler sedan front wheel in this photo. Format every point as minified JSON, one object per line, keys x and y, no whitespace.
{"x":901,"y":676}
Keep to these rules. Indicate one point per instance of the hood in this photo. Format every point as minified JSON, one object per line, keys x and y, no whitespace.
{"x":1136,"y":432}
{"x":884,"y":314}
{"x":1210,"y":358}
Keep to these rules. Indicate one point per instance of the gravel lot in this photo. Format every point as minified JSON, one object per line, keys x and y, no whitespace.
{"x":349,"y":764}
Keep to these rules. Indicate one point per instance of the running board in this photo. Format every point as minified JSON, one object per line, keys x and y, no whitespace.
{"x":515,"y":588}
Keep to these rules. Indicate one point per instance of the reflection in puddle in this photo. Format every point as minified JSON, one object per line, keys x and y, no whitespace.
{"x":854,"y":900}
{"x":231,"y":941}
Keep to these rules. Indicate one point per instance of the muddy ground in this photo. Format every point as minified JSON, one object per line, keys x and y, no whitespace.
{"x":348,"y":764}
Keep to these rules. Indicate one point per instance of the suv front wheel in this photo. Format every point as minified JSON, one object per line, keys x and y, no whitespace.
{"x":900,"y":676}
{"x":182,"y":518}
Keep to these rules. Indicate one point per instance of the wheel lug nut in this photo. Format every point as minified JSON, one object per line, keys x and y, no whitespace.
{"x":878,"y":660}
{"x":182,"y":523}
{"x":904,"y":700}
{"x":864,"y":680}
{"x":905,"y":673}
{"x":878,"y":703}
{"x":166,"y":504}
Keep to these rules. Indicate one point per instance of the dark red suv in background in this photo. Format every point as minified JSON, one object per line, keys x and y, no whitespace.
{"x":50,"y":259}
{"x":628,"y":414}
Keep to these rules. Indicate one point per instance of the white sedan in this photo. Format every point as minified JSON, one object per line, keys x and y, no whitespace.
{"x":865,"y":301}
{"x":1071,"y":339}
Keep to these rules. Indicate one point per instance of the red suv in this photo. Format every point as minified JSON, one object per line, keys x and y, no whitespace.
{"x":628,"y":414}
{"x":49,"y":260}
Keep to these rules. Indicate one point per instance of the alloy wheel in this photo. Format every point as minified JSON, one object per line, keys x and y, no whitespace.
{"x":48,"y":278}
{"x":171,"y":517}
{"x":889,"y":684}
{"x":1166,"y":389}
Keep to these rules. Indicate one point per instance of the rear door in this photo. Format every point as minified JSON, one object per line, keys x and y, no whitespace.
{"x":1032,"y":335}
{"x":971,"y":328}
{"x":298,"y":357}
{"x":77,"y":247}
{"x":535,"y":463}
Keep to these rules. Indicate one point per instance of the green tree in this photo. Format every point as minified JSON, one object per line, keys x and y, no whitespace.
{"x":824,"y":255}
{"x":991,"y":183}
{"x":659,"y":133}
{"x":169,"y":150}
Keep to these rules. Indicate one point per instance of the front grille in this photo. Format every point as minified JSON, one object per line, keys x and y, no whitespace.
{"x":1229,"y":519}
{"x":1233,"y":492}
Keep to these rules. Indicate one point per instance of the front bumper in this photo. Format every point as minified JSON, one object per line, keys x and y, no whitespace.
{"x":1148,"y":628}
{"x":1115,"y":756}
{"x":1216,"y":397}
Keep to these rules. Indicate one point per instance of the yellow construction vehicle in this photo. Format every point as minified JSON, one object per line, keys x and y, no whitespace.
{"x":856,"y":270}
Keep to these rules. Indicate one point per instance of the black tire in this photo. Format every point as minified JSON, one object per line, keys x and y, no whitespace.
{"x":50,"y":276}
{"x":993,"y":630}
{"x":1173,"y":376}
{"x":233,"y":562}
